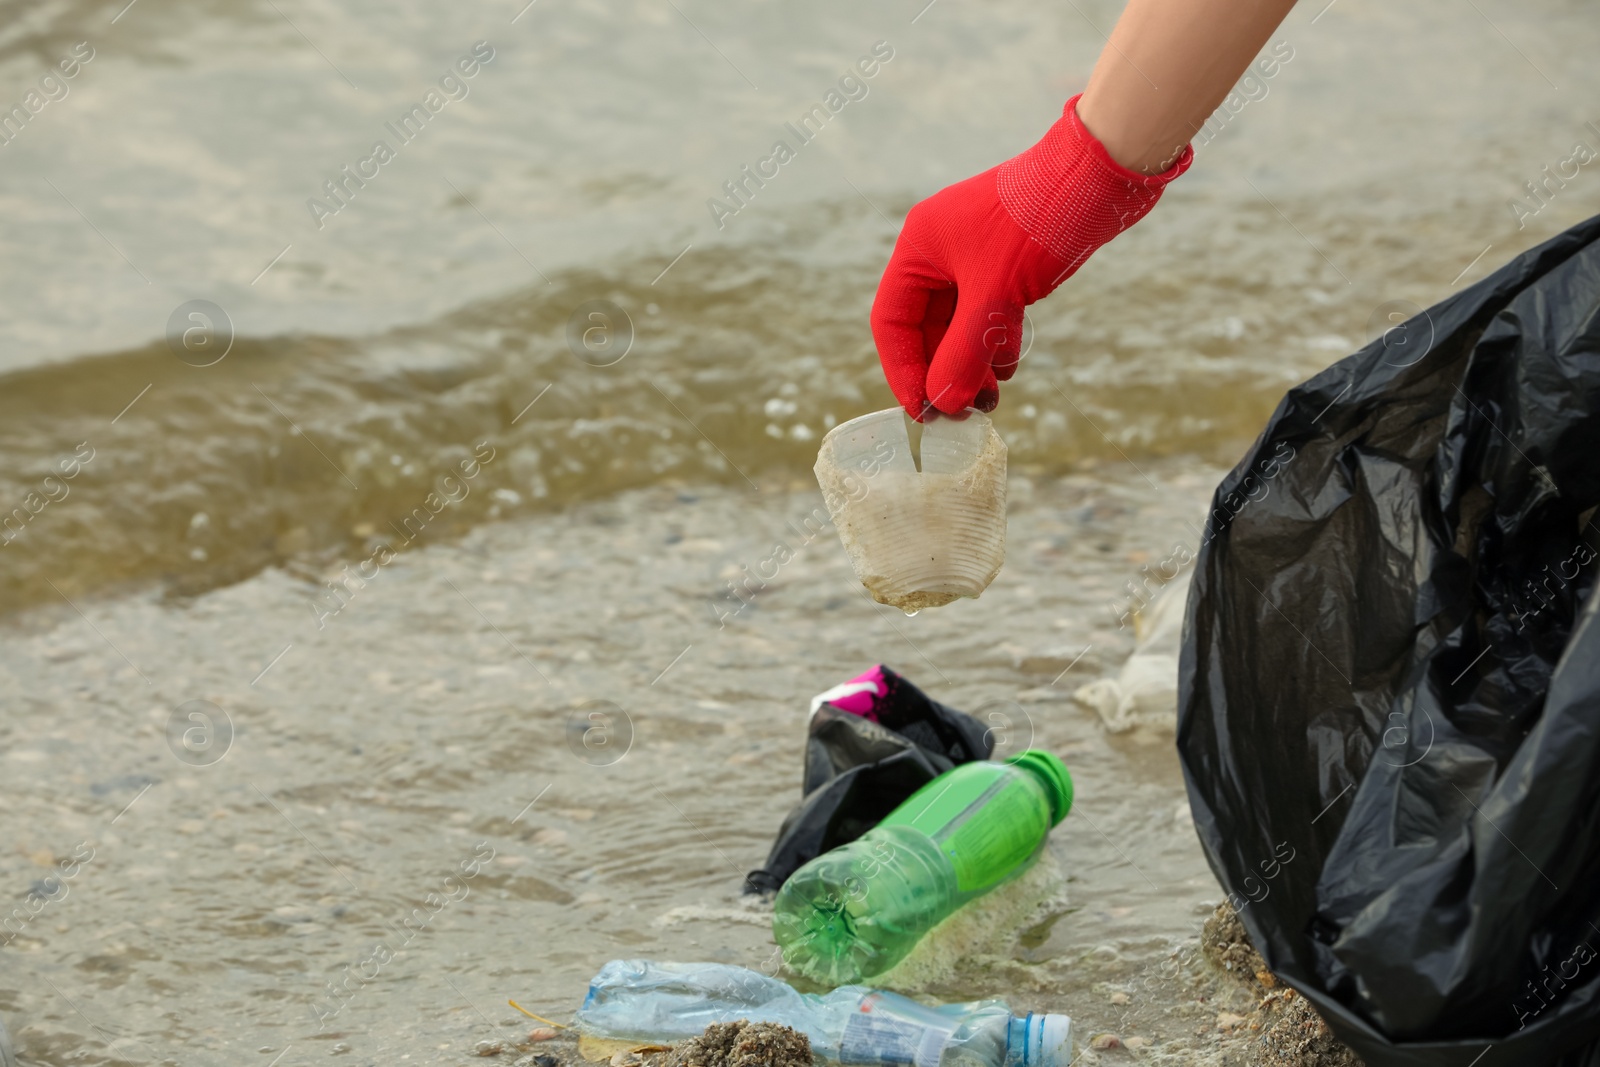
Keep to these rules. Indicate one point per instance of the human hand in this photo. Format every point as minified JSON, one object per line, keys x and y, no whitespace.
{"x":948,"y":316}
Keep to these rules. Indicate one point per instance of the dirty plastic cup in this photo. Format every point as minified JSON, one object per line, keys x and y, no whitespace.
{"x":917,"y":538}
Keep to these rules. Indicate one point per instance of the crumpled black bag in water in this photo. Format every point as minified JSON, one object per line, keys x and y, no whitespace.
{"x":861,"y":765}
{"x":1390,"y":683}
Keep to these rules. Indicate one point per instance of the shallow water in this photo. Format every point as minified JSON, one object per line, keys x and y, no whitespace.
{"x":1374,"y":175}
{"x":615,"y":758}
{"x":425,"y":330}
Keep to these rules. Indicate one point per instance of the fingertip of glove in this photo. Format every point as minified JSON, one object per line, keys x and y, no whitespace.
{"x":950,"y":404}
{"x":1004,"y":371}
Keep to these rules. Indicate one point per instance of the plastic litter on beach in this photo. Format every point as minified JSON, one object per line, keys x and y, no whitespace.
{"x":641,"y":1000}
{"x":918,"y":537}
{"x":1144,"y":691}
{"x":857,"y":910}
{"x":1388,"y":695}
{"x":871,"y":742}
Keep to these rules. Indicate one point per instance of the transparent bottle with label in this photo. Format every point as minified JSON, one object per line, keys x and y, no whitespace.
{"x":643,"y":1001}
{"x":858,"y":910}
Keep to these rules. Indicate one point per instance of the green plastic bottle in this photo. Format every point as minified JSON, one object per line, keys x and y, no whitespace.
{"x":856,"y":911}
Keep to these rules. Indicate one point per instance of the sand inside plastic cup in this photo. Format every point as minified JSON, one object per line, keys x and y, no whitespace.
{"x":917,"y":539}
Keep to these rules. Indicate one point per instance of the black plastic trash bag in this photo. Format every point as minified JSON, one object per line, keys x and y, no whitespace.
{"x":1390,"y":681}
{"x":872,"y":742}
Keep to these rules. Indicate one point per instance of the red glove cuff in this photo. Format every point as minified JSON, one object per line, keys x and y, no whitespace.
{"x":1068,"y":194}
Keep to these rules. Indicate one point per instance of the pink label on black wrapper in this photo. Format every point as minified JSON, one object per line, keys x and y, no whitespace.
{"x":859,"y":696}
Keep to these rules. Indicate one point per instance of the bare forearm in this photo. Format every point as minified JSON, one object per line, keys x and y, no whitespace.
{"x":1167,"y":66}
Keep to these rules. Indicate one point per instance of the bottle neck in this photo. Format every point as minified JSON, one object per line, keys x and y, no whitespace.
{"x":1016,"y":1041}
{"x":1039,"y":1040}
{"x":1051,"y":776}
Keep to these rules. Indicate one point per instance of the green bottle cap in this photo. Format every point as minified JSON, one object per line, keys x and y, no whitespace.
{"x":1053,"y":774}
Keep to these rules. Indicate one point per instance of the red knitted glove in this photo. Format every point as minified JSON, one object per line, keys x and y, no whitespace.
{"x":948,"y":316}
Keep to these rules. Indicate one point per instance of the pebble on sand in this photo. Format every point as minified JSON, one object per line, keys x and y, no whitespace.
{"x":542,"y":1033}
{"x":1105,"y":1041}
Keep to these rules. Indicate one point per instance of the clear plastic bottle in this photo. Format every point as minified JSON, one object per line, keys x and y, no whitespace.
{"x":858,"y":910}
{"x":642,"y":1001}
